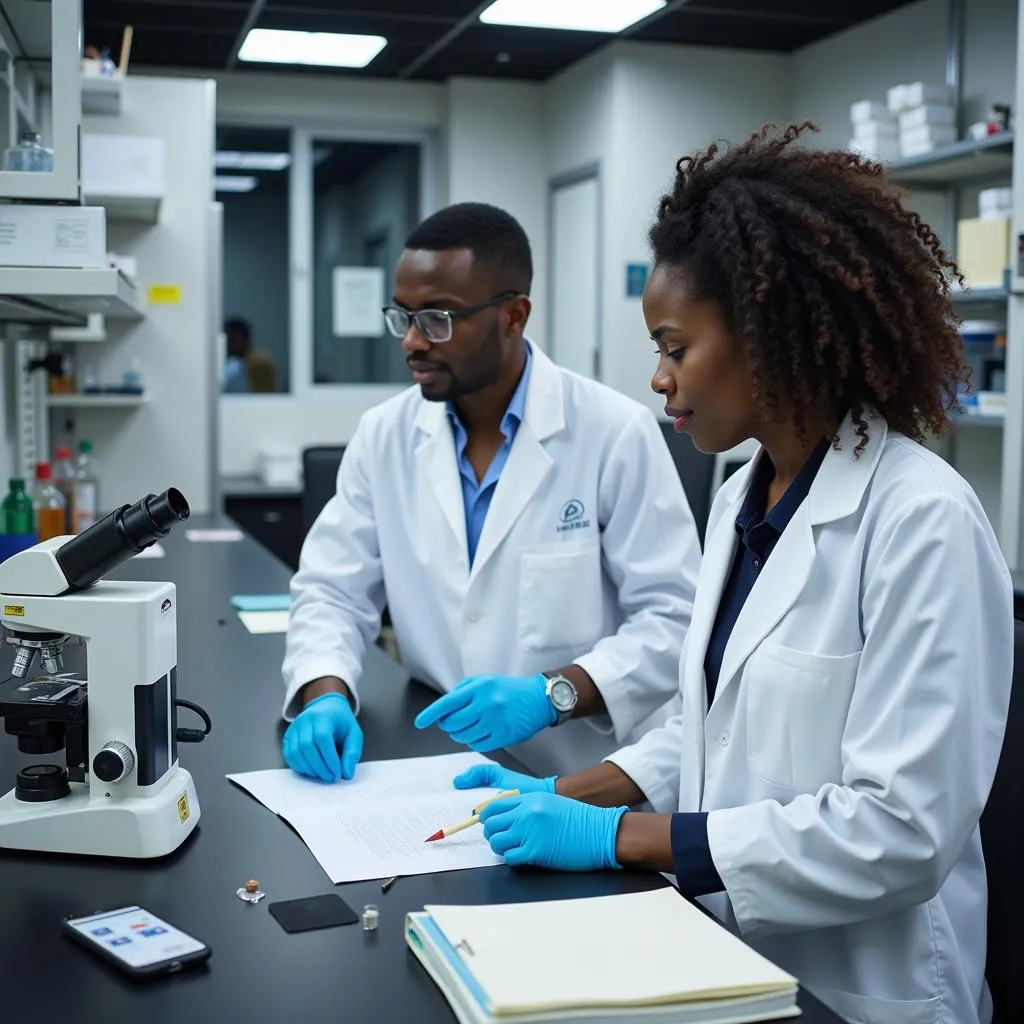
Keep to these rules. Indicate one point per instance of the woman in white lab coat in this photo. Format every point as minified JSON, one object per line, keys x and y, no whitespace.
{"x":847,"y":670}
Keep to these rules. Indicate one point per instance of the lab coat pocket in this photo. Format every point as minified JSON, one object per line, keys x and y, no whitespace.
{"x":797,"y":705}
{"x":858,"y":1009}
{"x":560,"y":596}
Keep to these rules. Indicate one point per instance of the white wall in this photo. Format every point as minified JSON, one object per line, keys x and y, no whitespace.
{"x":167,"y":441}
{"x":495,"y":154}
{"x":652,"y":105}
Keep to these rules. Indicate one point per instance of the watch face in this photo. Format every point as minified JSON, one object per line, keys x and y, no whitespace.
{"x":563,"y":695}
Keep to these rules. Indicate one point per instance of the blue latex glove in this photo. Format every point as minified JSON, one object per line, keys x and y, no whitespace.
{"x":501,"y":778}
{"x":311,"y":742}
{"x":488,"y":712}
{"x":553,"y":832}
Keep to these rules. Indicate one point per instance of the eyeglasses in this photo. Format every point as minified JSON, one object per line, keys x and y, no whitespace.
{"x":436,"y":325}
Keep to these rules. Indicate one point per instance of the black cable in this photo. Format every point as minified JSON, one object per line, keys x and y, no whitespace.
{"x":193,"y":735}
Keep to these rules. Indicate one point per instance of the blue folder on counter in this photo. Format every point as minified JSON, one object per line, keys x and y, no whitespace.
{"x":262,"y":602}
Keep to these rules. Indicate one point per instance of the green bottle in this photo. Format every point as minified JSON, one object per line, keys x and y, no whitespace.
{"x":17,"y":509}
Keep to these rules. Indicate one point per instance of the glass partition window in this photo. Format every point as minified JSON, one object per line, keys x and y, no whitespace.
{"x":252,"y":169}
{"x":366,"y":200}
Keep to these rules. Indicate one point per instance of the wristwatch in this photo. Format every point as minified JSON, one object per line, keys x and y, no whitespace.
{"x":562,"y":695}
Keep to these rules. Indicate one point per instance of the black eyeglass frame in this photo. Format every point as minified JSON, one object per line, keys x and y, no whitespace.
{"x":451,"y":315}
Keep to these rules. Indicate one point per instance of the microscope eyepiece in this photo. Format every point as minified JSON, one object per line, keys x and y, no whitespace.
{"x":120,"y":535}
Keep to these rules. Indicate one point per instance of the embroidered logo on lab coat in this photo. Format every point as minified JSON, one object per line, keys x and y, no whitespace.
{"x":571,"y":516}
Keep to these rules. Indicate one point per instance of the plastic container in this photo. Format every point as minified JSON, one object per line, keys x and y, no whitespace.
{"x":86,"y":490}
{"x":28,"y":155}
{"x":132,"y":381}
{"x":17,"y":509}
{"x":49,"y":504}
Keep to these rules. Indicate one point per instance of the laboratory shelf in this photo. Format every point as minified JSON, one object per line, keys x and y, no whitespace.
{"x":128,"y":209}
{"x":962,"y":162}
{"x":99,"y":401}
{"x":979,"y":295}
{"x":101,"y":95}
{"x":61,"y":296}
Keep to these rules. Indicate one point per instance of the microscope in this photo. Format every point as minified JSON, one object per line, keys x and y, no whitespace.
{"x":122,"y":792}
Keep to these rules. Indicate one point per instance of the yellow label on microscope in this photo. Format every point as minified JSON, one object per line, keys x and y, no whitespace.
{"x":165,"y":294}
{"x":183,"y":809}
{"x":14,"y":610}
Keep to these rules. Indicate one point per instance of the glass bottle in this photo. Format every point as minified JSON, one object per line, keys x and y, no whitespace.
{"x":17,"y":509}
{"x":86,"y":492}
{"x":49,"y":504}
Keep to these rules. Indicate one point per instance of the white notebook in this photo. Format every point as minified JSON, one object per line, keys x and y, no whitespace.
{"x":648,"y":956}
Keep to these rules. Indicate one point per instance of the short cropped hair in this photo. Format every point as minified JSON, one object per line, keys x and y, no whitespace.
{"x":496,"y":239}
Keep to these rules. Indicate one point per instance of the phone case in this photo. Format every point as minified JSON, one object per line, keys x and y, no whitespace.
{"x":172,"y":966}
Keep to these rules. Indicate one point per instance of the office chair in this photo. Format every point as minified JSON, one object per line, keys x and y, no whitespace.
{"x":1002,"y":837}
{"x":695,"y":470}
{"x":319,"y":480}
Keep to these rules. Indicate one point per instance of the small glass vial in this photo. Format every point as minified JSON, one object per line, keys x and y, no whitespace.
{"x":371,"y":917}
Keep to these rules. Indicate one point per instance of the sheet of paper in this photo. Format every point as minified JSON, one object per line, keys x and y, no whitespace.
{"x":265,"y":622}
{"x":375,"y":825}
{"x":262,"y":602}
{"x":213,"y":536}
{"x":153,"y":551}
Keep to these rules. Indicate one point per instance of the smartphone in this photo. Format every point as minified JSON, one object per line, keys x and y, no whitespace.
{"x":136,"y":941}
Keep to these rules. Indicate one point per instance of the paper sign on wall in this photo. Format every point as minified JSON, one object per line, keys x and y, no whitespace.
{"x":358,"y":298}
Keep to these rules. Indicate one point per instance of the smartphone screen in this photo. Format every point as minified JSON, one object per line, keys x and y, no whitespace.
{"x":136,"y":937}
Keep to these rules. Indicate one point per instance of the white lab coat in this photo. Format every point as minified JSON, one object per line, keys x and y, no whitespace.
{"x":589,"y":554}
{"x":853,"y":737}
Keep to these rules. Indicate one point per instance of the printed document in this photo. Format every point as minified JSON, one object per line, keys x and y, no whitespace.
{"x":375,"y":825}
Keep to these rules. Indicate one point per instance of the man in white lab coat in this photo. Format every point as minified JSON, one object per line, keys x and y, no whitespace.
{"x":525,"y":527}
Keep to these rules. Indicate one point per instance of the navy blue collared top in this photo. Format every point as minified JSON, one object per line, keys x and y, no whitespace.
{"x":758,"y":533}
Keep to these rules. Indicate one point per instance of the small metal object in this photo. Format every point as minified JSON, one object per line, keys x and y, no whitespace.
{"x":371,"y":917}
{"x":250,"y":892}
{"x":388,"y":882}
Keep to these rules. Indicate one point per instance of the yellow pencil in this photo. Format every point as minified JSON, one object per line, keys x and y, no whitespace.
{"x":452,"y":829}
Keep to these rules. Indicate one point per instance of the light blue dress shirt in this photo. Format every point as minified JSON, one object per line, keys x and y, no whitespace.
{"x":476,"y":495}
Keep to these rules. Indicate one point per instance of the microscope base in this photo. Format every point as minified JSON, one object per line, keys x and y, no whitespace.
{"x":140,"y":827}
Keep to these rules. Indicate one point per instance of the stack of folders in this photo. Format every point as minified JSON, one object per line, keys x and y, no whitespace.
{"x":639,"y":958}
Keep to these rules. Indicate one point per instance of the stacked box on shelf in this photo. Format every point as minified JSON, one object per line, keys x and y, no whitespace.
{"x":875,"y":133}
{"x":926,"y":115}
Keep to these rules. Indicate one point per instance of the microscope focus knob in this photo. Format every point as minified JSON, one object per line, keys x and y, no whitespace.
{"x":114,"y":762}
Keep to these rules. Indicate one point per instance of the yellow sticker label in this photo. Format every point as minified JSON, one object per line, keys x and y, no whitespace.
{"x":165,"y":294}
{"x":183,"y":810}
{"x":14,"y":609}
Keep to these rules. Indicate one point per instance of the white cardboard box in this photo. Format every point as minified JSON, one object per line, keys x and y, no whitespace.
{"x":918,"y":94}
{"x":870,"y":131}
{"x":52,"y":236}
{"x":882,"y":150}
{"x":869,"y":110}
{"x":929,"y":114}
{"x":925,"y":138}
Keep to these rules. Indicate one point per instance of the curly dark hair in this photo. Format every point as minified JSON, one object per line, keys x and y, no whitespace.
{"x":837,"y":294}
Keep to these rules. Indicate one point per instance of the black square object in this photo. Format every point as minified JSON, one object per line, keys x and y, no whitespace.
{"x":313,"y":912}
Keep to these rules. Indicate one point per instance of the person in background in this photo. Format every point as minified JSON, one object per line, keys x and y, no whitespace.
{"x":239,"y":342}
{"x":525,"y":527}
{"x":846,"y":675}
{"x":260,"y":373}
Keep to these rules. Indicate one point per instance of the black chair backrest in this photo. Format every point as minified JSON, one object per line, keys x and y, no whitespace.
{"x":319,"y":480}
{"x":695,"y":469}
{"x":1002,"y":837}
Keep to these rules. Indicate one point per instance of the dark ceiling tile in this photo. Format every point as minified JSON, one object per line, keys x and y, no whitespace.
{"x":706,"y":29}
{"x":452,"y":10}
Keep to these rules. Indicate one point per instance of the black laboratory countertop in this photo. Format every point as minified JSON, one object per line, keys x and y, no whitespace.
{"x":257,"y":972}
